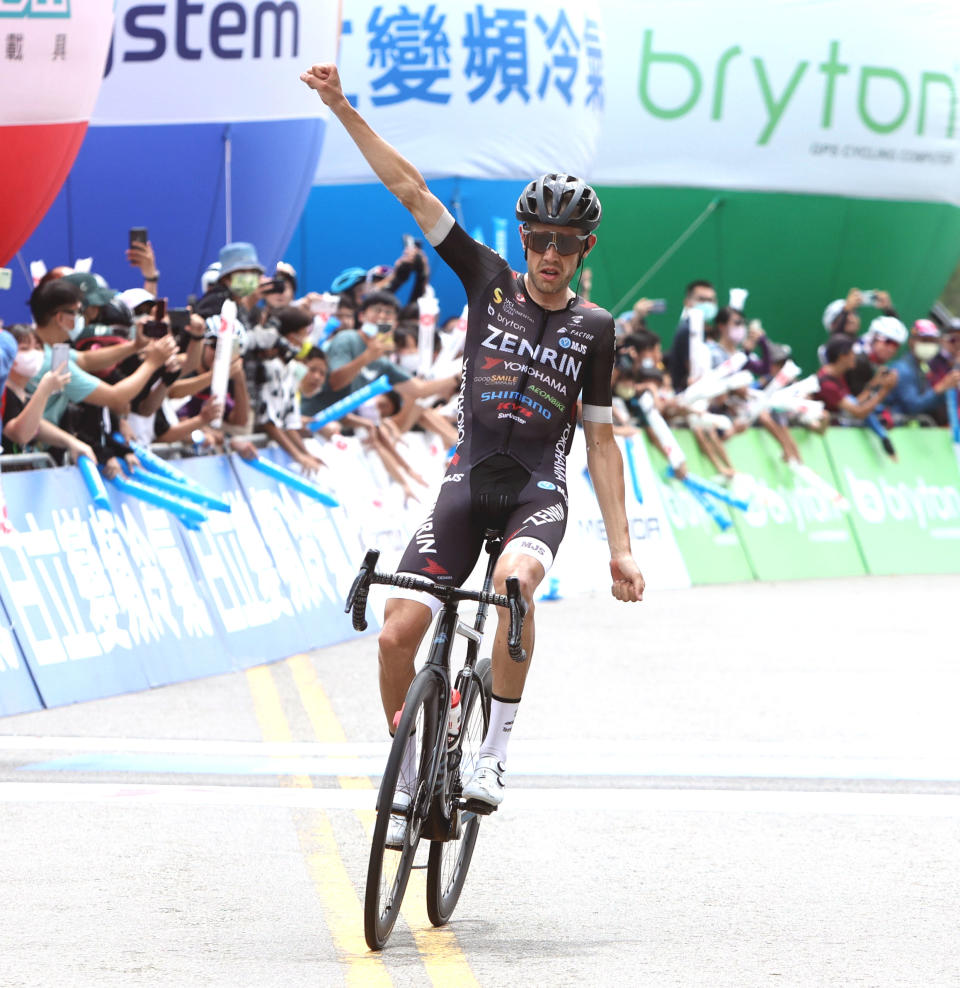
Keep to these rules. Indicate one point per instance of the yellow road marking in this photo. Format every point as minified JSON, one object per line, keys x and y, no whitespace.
{"x":341,"y":905}
{"x":438,"y":947}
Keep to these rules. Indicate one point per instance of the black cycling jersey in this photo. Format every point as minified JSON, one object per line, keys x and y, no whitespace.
{"x":524,"y":369}
{"x":523,"y":366}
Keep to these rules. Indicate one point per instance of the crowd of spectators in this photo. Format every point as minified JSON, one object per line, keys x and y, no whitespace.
{"x":96,"y":371}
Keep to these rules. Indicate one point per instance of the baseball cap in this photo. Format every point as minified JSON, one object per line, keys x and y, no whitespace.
{"x":96,"y":291}
{"x":926,"y":328}
{"x":134,"y":297}
{"x":831,"y":312}
{"x":890,"y":328}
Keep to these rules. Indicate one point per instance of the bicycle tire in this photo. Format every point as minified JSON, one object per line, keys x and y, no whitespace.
{"x":389,"y":869}
{"x":449,"y":860}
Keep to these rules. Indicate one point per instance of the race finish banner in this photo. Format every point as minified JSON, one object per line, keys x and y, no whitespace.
{"x":906,"y":514}
{"x":801,"y":96}
{"x":178,"y":62}
{"x":804,"y":96}
{"x":456,"y":86}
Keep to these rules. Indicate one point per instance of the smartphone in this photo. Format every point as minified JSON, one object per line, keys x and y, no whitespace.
{"x":869,"y":298}
{"x":273,"y":287}
{"x":138,"y":235}
{"x":61,"y":355}
{"x":156,"y":327}
{"x":6,"y":277}
{"x":410,"y":242}
{"x":658,"y":305}
{"x":179,"y":318}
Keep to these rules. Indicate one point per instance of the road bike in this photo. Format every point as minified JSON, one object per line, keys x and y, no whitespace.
{"x":433,"y":752}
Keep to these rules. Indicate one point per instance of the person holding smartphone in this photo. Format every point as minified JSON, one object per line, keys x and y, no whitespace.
{"x":56,"y":307}
{"x":23,"y":421}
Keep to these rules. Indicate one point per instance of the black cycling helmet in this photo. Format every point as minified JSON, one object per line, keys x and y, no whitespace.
{"x":560,"y":200}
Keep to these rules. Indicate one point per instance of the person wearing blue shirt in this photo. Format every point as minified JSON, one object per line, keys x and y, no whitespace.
{"x":914,"y":394}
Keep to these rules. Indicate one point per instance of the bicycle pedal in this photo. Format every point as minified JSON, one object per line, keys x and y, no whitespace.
{"x":477,"y":806}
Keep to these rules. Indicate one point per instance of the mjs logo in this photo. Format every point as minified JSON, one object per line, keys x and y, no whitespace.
{"x":34,"y":8}
{"x":197,"y":30}
{"x":886,"y":100}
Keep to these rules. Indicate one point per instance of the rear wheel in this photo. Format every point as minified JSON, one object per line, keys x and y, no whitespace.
{"x":403,"y":793}
{"x":449,"y":860}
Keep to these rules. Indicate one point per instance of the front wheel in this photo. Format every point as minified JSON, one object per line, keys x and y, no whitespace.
{"x":449,"y":860}
{"x":403,"y":794}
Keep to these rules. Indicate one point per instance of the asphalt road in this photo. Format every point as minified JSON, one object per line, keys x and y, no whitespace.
{"x":743,"y":785}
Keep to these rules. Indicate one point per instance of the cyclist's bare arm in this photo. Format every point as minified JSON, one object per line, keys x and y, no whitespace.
{"x":396,"y":173}
{"x":606,"y":472}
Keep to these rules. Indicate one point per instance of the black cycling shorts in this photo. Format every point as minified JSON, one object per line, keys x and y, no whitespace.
{"x":498,"y":493}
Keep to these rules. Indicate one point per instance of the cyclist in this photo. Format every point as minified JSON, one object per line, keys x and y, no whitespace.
{"x":532,"y":346}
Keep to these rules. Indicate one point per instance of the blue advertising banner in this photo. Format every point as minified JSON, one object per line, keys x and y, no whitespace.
{"x":329,"y":561}
{"x":103,"y":602}
{"x":18,"y":695}
{"x":251,"y":596}
{"x":81,"y":624}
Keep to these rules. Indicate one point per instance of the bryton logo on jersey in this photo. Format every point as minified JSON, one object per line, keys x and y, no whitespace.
{"x":563,"y":363}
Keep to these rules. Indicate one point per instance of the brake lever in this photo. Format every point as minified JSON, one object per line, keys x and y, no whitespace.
{"x":357,"y":597}
{"x":518,"y":610}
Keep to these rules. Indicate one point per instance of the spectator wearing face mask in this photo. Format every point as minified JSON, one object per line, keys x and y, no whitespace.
{"x":949,"y":356}
{"x":23,"y":422}
{"x":914,"y":394}
{"x":276,"y":402}
{"x":358,"y":357}
{"x":700,"y":295}
{"x":239,"y":279}
{"x":57,"y":312}
{"x":877,"y":348}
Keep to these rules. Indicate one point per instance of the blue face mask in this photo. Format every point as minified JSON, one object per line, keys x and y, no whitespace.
{"x":709,"y":310}
{"x":78,"y":327}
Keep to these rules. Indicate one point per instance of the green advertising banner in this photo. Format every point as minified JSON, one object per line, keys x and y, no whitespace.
{"x":711,"y":555}
{"x":906,"y":514}
{"x":795,"y":529}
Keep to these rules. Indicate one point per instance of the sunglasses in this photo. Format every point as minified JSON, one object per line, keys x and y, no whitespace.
{"x":540,"y":241}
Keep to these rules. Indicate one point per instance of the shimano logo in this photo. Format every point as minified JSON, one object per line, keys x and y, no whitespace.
{"x":196,"y":31}
{"x":515,"y":399}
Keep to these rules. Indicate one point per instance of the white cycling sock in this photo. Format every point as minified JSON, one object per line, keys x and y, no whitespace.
{"x":502,"y":714}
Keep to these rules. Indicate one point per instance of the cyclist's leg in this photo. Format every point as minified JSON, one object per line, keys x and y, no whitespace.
{"x":533,"y":536}
{"x":444,"y":550}
{"x":405,"y":622}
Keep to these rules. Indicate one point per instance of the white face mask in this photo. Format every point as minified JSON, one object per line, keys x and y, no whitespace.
{"x":27,"y":363}
{"x":926,"y":351}
{"x":737,"y":334}
{"x":409,"y":361}
{"x":79,"y":323}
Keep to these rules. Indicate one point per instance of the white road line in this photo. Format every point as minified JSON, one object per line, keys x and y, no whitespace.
{"x":595,"y":758}
{"x":520,"y":800}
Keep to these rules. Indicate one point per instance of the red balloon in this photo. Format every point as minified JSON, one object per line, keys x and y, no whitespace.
{"x":35,"y":163}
